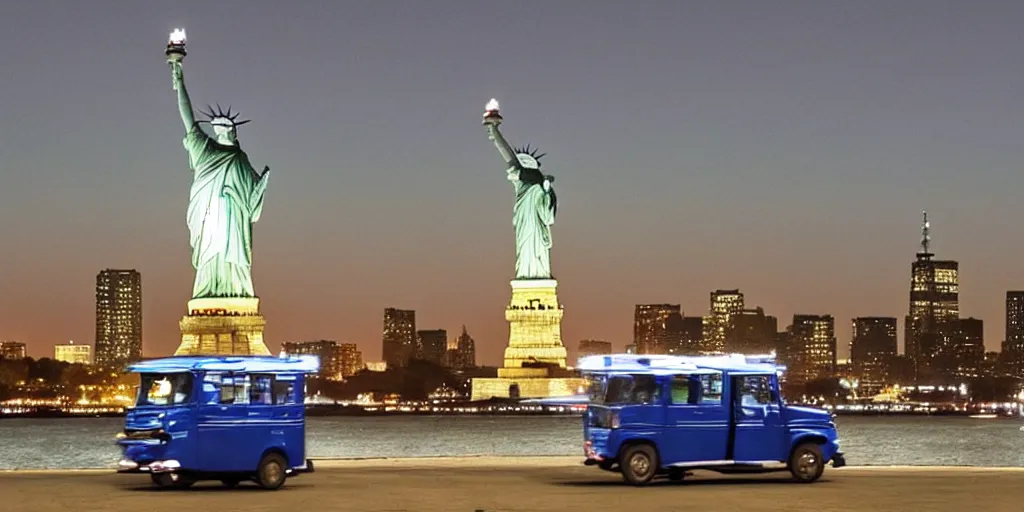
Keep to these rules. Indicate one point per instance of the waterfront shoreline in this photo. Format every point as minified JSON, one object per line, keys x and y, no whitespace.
{"x":520,"y":462}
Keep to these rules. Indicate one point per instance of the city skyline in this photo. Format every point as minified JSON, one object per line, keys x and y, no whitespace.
{"x":814,"y":166}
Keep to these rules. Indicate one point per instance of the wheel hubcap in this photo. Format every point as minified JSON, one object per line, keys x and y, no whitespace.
{"x":272,"y":472}
{"x":639,"y":464}
{"x":807,"y":464}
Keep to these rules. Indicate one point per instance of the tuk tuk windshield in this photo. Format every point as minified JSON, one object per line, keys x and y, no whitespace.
{"x":164,"y":389}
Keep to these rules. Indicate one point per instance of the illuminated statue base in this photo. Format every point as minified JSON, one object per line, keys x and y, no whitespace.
{"x":534,"y":336}
{"x":222,"y":326}
{"x":528,"y":387}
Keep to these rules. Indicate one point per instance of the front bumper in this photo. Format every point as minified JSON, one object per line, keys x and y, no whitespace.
{"x":157,"y":466}
{"x":838,"y":460}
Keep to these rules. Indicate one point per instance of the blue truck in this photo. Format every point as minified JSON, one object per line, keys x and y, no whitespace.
{"x":231,"y":419}
{"x":662,"y":416}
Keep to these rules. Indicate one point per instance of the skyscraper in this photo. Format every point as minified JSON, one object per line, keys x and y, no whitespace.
{"x":1013,"y":346}
{"x":813,"y":340}
{"x":753,"y":332}
{"x":594,"y":348}
{"x":461,"y":353}
{"x":12,"y":350}
{"x":118,"y":317}
{"x":326,"y":350}
{"x":934,"y":305}
{"x":967,"y":353}
{"x":350,"y":359}
{"x":718,"y":325}
{"x":873,"y":350}
{"x":649,"y":326}
{"x":431,"y":345}
{"x":399,"y":340}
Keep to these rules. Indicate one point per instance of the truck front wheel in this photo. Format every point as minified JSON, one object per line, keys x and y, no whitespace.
{"x":806,"y":463}
{"x":639,"y":463}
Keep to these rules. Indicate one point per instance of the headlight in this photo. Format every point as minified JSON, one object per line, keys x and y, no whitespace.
{"x":614,"y":420}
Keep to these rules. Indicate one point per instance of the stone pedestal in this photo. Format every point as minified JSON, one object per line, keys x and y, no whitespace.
{"x":534,"y":336}
{"x":222,"y":326}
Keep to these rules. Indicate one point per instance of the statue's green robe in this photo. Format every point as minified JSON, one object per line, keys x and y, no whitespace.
{"x":532,"y":217}
{"x":225,"y":200}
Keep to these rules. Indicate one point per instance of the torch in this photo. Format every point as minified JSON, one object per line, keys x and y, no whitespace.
{"x":176,"y":46}
{"x":492,"y":115}
{"x":176,"y":52}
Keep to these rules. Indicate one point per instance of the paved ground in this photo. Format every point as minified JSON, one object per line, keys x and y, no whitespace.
{"x":523,"y":484}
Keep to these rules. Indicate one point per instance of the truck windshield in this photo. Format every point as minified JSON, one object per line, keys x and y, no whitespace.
{"x":164,"y":389}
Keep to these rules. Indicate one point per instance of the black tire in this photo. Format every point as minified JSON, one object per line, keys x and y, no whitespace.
{"x":270,"y":474}
{"x":639,"y":464}
{"x":806,"y":463}
{"x":171,"y":480}
{"x":231,"y":482}
{"x":676,"y":474}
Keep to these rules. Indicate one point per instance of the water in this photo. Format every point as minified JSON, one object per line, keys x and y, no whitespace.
{"x":89,"y":442}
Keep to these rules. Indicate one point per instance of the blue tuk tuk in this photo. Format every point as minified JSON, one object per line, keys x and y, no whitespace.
{"x":218,"y":418}
{"x":651,"y":416}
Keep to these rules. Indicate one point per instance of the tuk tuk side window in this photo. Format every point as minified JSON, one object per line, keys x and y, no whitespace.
{"x":634,"y":389}
{"x":261,"y":390}
{"x":284,"y":390}
{"x":756,"y":390}
{"x":226,"y":388}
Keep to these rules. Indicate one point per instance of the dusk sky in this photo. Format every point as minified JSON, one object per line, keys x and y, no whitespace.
{"x":783,"y":148}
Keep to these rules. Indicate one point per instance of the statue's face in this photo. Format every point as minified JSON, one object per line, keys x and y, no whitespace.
{"x":513,"y":175}
{"x":224,"y":129}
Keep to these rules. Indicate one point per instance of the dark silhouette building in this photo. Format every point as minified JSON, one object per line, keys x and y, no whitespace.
{"x":873,"y":351}
{"x":431,"y":345}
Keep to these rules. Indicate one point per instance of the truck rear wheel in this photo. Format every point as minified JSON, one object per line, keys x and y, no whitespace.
{"x":806,"y":463}
{"x":171,"y":480}
{"x":639,"y":463}
{"x":270,"y":474}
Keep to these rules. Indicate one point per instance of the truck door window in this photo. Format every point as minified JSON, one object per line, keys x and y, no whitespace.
{"x":756,"y":390}
{"x":645,"y":390}
{"x":711,"y":388}
{"x":683,"y":389}
{"x":261,"y":390}
{"x":234,"y":389}
{"x":284,"y":392}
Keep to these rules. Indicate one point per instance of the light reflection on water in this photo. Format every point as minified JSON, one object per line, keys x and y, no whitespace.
{"x":89,"y":442}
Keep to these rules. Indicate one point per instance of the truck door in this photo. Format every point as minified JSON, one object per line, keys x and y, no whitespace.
{"x":221,"y":424}
{"x":757,"y":417}
{"x":696,"y":420}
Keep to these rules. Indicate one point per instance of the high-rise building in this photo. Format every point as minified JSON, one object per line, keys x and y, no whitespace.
{"x":718,"y":325}
{"x":350,"y":359}
{"x":399,"y":341}
{"x":431,"y":345}
{"x":649,"y":327}
{"x":752,"y":332}
{"x":12,"y":350}
{"x":813,"y":340}
{"x":118,"y":317}
{"x":461,"y":353}
{"x":692,"y":336}
{"x":966,"y":357}
{"x":873,"y":351}
{"x":594,"y":348}
{"x":930,"y":325}
{"x":1013,"y":346}
{"x":326,"y":350}
{"x":71,"y":353}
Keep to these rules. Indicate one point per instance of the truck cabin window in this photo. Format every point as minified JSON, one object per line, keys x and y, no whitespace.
{"x":164,"y":389}
{"x":756,"y":390}
{"x":685,"y":389}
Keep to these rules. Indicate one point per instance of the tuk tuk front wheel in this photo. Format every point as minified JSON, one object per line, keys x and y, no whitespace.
{"x":270,"y":474}
{"x":806,"y":463}
{"x":639,"y":463}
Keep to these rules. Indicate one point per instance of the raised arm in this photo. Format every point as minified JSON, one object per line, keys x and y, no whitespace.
{"x":184,"y":104}
{"x":506,"y":151}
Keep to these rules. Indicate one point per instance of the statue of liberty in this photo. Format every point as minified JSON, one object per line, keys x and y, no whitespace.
{"x":226,"y":197}
{"x":536,"y":202}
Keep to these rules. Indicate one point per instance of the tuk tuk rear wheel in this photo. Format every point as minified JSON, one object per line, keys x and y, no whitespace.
{"x":639,"y":463}
{"x":270,"y":474}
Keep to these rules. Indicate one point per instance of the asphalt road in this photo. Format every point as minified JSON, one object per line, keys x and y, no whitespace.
{"x":523,"y":484}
